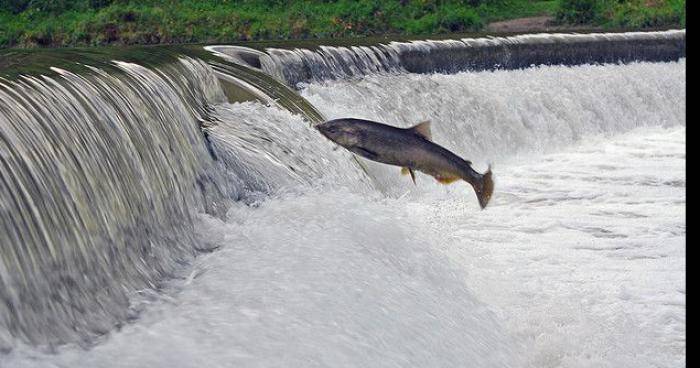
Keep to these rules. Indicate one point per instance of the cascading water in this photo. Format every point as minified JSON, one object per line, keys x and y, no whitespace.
{"x":496,"y":115}
{"x":449,"y":56}
{"x":99,"y":178}
{"x":329,"y":261}
{"x":266,"y":149}
{"x":502,"y":113}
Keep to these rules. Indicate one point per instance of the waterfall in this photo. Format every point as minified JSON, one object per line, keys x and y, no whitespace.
{"x":100,"y":175}
{"x":450,"y":56}
{"x":117,"y":176}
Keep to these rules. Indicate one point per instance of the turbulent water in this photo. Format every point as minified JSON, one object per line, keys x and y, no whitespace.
{"x":324,"y":260}
{"x":493,"y":116}
{"x":99,"y":186}
{"x":453,"y":55}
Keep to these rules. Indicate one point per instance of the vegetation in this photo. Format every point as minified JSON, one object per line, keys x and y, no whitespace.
{"x":28,"y":23}
{"x":633,"y":14}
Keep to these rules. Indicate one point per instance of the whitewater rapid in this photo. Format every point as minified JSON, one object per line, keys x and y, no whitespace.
{"x":578,"y":262}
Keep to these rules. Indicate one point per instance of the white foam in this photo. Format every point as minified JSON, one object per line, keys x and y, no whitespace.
{"x":578,"y":262}
{"x":267,"y":149}
{"x":492,"y":117}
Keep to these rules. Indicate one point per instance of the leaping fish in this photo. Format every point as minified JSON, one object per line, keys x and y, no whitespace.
{"x":411,"y":148}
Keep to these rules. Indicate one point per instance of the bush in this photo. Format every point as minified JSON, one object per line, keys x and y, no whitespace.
{"x":423,"y":25}
{"x":14,"y":6}
{"x":579,"y":11}
{"x":635,"y":14}
{"x":459,"y":20}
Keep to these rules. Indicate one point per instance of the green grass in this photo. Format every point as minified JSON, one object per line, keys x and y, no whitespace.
{"x":31,"y":23}
{"x":511,"y":9}
{"x":633,"y":14}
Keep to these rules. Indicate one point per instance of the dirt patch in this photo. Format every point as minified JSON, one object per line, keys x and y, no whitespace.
{"x":530,"y":24}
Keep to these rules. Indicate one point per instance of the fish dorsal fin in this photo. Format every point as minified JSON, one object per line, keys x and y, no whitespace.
{"x":423,"y":130}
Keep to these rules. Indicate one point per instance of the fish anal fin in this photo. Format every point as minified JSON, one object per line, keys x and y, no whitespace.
{"x":423,"y":130}
{"x":447,"y":179}
{"x":406,"y":171}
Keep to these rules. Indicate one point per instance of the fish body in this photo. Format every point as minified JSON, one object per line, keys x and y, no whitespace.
{"x":410,"y":148}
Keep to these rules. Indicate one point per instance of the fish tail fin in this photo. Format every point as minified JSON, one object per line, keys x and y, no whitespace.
{"x":484,"y":188}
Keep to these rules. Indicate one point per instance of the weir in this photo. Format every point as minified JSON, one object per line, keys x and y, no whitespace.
{"x":302,"y":65}
{"x":101,"y":175}
{"x":105,"y":165}
{"x":103,"y":169}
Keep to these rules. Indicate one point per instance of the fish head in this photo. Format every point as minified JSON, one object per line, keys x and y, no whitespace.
{"x":341,"y":132}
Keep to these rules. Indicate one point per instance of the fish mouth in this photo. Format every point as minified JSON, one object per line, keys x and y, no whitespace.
{"x":332,"y":132}
{"x":323,"y":129}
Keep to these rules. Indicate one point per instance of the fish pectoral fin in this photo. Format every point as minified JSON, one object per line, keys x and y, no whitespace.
{"x":423,"y":129}
{"x":365,"y":153}
{"x":447,"y":179}
{"x":408,"y":170}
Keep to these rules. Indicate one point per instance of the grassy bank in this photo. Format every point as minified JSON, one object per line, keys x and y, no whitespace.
{"x":29,"y":23}
{"x":632,"y":14}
